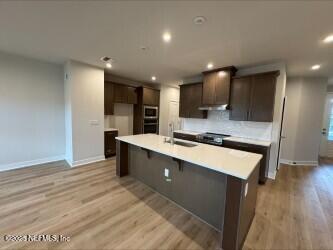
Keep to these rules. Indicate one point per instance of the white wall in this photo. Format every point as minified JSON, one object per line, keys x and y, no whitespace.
{"x":167,"y":94}
{"x":32,"y":128}
{"x":303,"y":120}
{"x":121,"y":120}
{"x":85,"y":112}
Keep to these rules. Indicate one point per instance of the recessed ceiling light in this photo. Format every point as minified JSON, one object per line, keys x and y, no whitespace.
{"x":328,"y":39}
{"x":210,"y":66}
{"x":315,"y":67}
{"x":199,"y":20}
{"x":108,"y":65}
{"x":153,"y":78}
{"x":166,"y":37}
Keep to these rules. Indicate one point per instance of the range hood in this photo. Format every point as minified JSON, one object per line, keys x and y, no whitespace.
{"x":214,"y":107}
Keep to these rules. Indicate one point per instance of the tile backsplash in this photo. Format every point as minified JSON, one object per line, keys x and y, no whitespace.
{"x":218,"y":122}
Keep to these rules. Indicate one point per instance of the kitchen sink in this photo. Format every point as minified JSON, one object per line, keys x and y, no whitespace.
{"x":182,"y":143}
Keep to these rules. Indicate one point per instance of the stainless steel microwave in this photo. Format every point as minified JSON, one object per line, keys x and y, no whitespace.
{"x":150,"y":112}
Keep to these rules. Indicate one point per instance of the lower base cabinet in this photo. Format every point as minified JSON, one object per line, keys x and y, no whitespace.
{"x":264,"y":151}
{"x":110,"y":143}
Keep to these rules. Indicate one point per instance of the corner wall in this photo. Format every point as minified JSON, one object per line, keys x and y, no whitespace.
{"x":303,"y":120}
{"x":84,"y":103}
{"x":32,"y":129}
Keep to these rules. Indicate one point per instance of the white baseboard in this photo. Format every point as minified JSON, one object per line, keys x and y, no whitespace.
{"x":272,"y":175}
{"x":299,"y":163}
{"x":24,"y":164}
{"x":86,"y":161}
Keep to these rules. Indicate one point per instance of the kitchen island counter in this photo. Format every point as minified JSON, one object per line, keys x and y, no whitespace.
{"x":224,"y":160}
{"x":216,"y":184}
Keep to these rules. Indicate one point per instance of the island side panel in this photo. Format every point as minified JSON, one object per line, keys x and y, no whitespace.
{"x":122,"y":159}
{"x":240,"y":209}
{"x":195,"y":188}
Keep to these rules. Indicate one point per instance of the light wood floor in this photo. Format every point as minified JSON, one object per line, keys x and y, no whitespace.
{"x":100,"y":211}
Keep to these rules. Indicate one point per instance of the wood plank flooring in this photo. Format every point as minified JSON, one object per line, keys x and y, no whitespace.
{"x":97,"y":210}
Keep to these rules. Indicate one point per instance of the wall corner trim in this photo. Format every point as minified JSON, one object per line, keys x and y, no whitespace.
{"x":272,"y":175}
{"x":23,"y":164}
{"x":86,"y":161}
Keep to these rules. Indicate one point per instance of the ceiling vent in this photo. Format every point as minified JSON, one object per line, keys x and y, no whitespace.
{"x":106,"y":59}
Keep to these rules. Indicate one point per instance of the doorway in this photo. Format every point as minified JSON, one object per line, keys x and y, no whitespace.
{"x":173,"y":116}
{"x":326,"y":143}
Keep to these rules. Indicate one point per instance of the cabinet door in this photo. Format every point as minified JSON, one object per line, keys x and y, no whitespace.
{"x":108,"y":98}
{"x":194,"y":99}
{"x":208,"y":95}
{"x":183,"y":101}
{"x":262,"y":98}
{"x":132,"y":97}
{"x":222,"y":87}
{"x":151,"y":97}
{"x":240,"y":98}
{"x":120,"y":93}
{"x":110,"y":143}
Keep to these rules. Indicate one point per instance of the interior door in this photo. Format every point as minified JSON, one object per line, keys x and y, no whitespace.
{"x":326,"y":145}
{"x":173,"y":115}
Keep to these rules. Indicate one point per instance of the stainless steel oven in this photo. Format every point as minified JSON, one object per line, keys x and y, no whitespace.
{"x":150,"y":112}
{"x":150,"y":125}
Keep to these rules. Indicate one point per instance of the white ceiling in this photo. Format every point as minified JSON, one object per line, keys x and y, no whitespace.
{"x":240,"y":33}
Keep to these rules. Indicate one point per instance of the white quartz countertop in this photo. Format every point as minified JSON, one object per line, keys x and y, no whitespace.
{"x":248,"y":141}
{"x":110,"y":129}
{"x":187,"y":132}
{"x":224,"y":160}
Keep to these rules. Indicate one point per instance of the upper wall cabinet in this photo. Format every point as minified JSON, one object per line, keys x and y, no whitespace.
{"x":252,"y":97}
{"x":216,"y":86}
{"x":150,"y":96}
{"x":190,"y":101}
{"x":108,"y":98}
{"x":118,"y":93}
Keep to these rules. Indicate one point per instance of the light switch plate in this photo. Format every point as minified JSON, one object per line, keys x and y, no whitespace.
{"x":166,"y":172}
{"x":246,"y":189}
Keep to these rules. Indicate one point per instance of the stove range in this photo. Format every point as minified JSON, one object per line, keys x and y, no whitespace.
{"x":211,"y":138}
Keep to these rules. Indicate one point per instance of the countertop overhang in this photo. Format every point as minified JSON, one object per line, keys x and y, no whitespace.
{"x":232,"y":162}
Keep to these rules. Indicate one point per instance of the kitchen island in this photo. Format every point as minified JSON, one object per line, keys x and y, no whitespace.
{"x":216,"y":184}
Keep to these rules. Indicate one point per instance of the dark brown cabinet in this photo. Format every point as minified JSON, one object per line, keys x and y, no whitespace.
{"x":132,"y":97}
{"x":190,"y":101}
{"x":110,"y":143}
{"x":252,"y":97}
{"x":216,"y":86}
{"x":146,"y":97}
{"x":258,"y":149}
{"x":240,"y":98}
{"x":120,"y":93}
{"x":108,"y":98}
{"x":151,"y":96}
